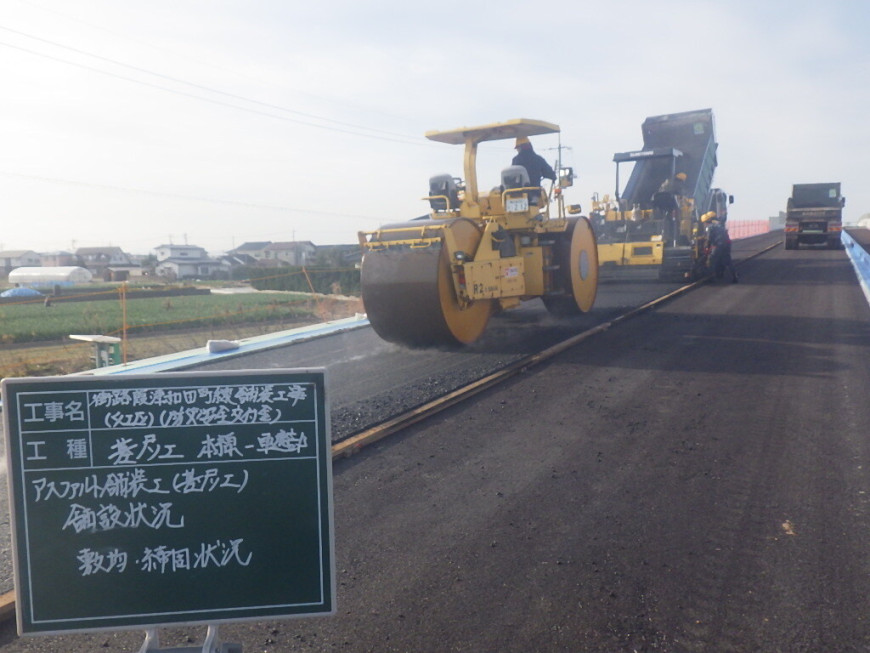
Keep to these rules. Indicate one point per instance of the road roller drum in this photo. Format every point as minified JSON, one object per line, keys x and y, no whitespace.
{"x":407,"y":284}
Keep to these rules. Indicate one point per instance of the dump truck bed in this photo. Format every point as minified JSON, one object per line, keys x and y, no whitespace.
{"x":805,"y":196}
{"x":691,"y":133}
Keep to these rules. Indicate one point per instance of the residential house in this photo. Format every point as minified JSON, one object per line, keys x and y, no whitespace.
{"x":187,"y":262}
{"x":234,"y":259}
{"x":110,"y":263}
{"x":289,"y":253}
{"x":252,"y":249}
{"x":59,"y":259}
{"x":17,"y":258}
{"x":99,"y":259}
{"x":338,"y":256}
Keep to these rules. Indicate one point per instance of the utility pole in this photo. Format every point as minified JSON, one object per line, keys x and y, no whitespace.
{"x":559,"y":147}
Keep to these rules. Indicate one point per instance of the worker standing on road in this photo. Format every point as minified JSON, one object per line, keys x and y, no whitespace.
{"x":534,"y":163}
{"x":720,"y":247}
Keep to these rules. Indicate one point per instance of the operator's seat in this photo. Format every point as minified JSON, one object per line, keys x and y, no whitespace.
{"x":515,"y":177}
{"x":443,"y":193}
{"x":518,"y":177}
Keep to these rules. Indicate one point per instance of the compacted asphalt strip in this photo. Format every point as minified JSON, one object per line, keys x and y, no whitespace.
{"x":695,"y":480}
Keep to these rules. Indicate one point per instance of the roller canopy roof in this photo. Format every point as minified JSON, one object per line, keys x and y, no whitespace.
{"x":494,"y":132}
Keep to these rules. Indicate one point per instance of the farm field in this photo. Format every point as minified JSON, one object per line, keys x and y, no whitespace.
{"x":35,"y":338}
{"x":34,"y":321}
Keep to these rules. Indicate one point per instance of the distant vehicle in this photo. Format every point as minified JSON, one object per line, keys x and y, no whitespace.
{"x":814,"y":216}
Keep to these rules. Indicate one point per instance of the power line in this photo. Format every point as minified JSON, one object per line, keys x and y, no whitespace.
{"x":400,"y":138}
{"x":183,"y":55}
{"x":142,"y":191}
{"x":200,"y":86}
{"x":128,"y":37}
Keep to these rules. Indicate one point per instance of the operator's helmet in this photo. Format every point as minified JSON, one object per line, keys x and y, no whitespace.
{"x":708,"y":216}
{"x":522,"y":140}
{"x":681,"y":176}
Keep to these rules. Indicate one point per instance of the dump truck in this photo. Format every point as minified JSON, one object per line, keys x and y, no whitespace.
{"x":655,"y":220}
{"x":814,"y":216}
{"x":437,"y":280}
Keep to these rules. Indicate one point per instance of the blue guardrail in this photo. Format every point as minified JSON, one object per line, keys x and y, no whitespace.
{"x":860,"y":261}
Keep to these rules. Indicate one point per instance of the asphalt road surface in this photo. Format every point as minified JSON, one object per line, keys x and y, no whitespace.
{"x":695,"y":479}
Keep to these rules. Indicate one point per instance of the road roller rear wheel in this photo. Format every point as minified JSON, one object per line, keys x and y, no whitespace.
{"x":408,"y":291}
{"x":576,"y":253}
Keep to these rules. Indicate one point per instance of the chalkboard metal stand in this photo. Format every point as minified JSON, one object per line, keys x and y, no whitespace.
{"x":212,"y":643}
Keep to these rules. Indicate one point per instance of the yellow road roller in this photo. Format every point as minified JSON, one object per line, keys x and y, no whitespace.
{"x":436,"y":280}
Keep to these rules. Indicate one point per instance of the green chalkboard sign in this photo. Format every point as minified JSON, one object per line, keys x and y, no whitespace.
{"x":145,"y":500}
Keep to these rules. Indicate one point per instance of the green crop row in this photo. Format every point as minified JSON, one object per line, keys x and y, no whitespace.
{"x":296,"y":279}
{"x":34,"y":321}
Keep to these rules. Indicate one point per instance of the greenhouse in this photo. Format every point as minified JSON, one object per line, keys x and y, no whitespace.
{"x":34,"y":277}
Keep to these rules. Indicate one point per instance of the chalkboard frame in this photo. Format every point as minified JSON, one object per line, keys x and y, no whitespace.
{"x":272,"y":484}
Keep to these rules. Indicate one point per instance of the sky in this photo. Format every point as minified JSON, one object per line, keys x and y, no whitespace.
{"x":218,"y":122}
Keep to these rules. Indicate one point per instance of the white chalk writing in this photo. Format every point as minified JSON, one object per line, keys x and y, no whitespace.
{"x":130,"y":484}
{"x":122,"y":420}
{"x":77,"y":448}
{"x":257,"y":394}
{"x":125,"y":485}
{"x":109,"y":517}
{"x":219,"y":415}
{"x":190,"y":481}
{"x":94,"y":562}
{"x":282,"y":442}
{"x":162,"y":559}
{"x":35,"y":447}
{"x":127,"y":452}
{"x":223,"y":445}
{"x":54,"y":411}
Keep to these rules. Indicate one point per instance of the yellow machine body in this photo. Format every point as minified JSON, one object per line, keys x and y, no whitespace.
{"x":437,"y":281}
{"x":636,"y":236}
